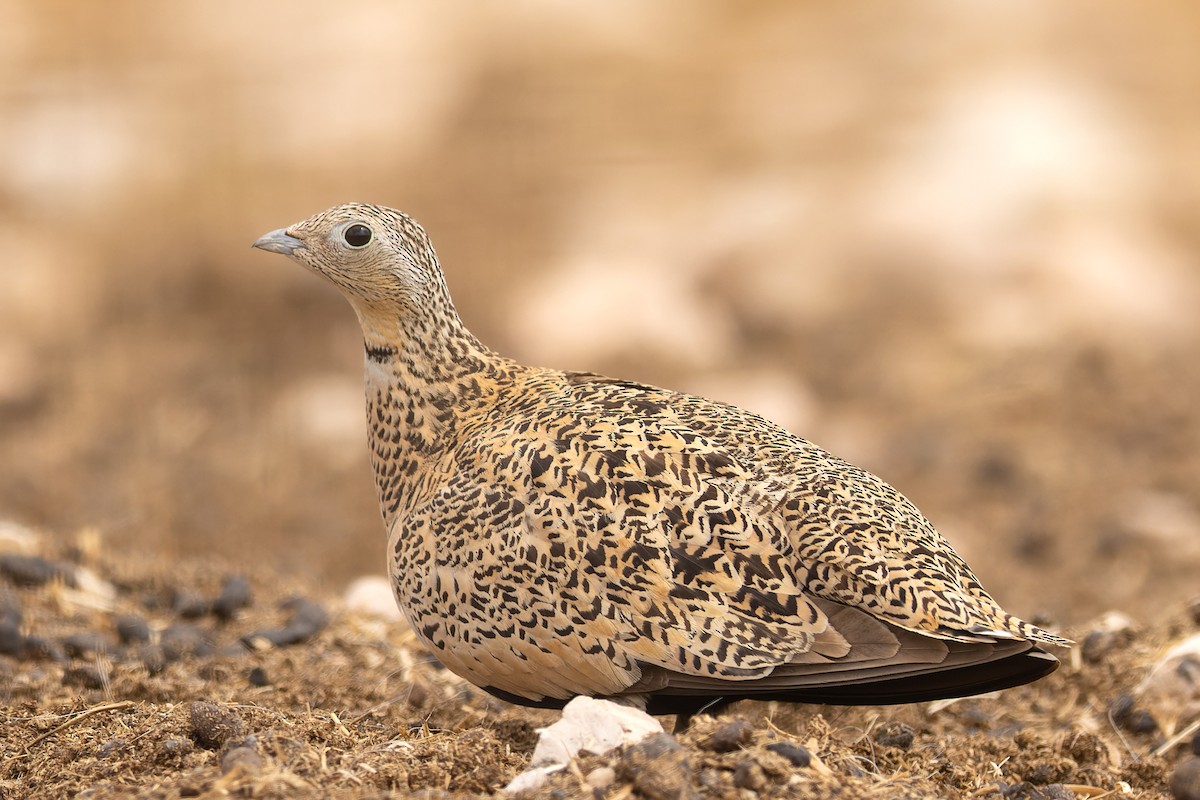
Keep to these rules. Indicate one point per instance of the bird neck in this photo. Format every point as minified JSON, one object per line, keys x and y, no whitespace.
{"x":427,"y":378}
{"x":431,"y":349}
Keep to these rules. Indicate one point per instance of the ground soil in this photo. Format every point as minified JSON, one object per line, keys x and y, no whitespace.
{"x":357,"y":709}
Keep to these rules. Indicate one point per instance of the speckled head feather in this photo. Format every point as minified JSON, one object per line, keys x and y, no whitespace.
{"x":373,"y":254}
{"x":553,"y":534}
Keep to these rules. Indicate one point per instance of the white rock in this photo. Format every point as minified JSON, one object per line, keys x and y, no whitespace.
{"x":1114,"y":622}
{"x":372,"y":594}
{"x":17,"y":538}
{"x":601,"y":777}
{"x":589,"y":726}
{"x":90,"y":592}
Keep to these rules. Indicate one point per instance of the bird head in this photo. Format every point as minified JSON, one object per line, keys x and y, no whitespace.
{"x":378,"y":257}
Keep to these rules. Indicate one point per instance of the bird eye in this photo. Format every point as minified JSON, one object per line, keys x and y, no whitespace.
{"x":357,"y":236}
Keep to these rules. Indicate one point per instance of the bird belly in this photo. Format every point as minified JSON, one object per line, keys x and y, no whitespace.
{"x":504,"y":623}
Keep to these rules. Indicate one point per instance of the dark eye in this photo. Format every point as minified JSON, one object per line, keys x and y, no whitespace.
{"x":357,"y":236}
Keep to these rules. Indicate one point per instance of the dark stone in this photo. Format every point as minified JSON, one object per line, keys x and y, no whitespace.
{"x":418,"y":695}
{"x":86,"y":644}
{"x":1185,"y":780}
{"x":213,"y":725}
{"x":658,"y":767}
{"x":244,"y":757}
{"x":1097,"y":645}
{"x":30,"y":571}
{"x":799,"y":756}
{"x":307,"y":620}
{"x":235,"y":595}
{"x":729,"y":737}
{"x":258,"y":677}
{"x":1129,"y":717}
{"x":184,"y":639}
{"x":44,"y":649}
{"x":111,"y":747}
{"x":12,"y":643}
{"x":749,"y":775}
{"x":132,"y":629}
{"x":174,"y":749}
{"x":897,"y":735}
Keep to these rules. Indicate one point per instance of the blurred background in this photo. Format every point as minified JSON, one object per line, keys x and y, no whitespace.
{"x":955,"y":243}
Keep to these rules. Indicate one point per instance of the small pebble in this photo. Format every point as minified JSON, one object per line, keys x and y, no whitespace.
{"x":307,"y":620}
{"x":895,"y":734}
{"x":1185,"y":780}
{"x":12,"y":643}
{"x":729,"y":737}
{"x":132,"y":629}
{"x":86,"y":644}
{"x":244,"y":757}
{"x":749,"y":775}
{"x":235,"y":595}
{"x":184,"y":639}
{"x":1112,"y":630}
{"x":213,"y":725}
{"x":29,"y":571}
{"x":601,"y":778}
{"x":258,"y":677}
{"x":372,"y":594}
{"x":173,"y":749}
{"x":189,"y":605}
{"x":112,"y":746}
{"x":1125,"y":714}
{"x":418,"y":695}
{"x":799,"y":756}
{"x":658,"y":767}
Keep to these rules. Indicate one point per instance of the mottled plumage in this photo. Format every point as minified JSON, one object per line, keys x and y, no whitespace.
{"x":556,"y":533}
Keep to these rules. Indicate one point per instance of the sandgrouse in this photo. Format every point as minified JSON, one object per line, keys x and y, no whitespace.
{"x":554,"y":534}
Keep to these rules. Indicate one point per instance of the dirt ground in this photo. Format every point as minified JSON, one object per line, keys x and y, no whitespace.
{"x":955,"y":244}
{"x":201,"y":705}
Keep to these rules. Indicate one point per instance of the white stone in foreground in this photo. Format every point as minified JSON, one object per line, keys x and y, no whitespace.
{"x":372,"y":595}
{"x":589,"y":726}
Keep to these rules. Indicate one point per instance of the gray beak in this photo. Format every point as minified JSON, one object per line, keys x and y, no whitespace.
{"x":279,"y":242}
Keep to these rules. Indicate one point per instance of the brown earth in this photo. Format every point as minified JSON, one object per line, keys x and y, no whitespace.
{"x":356,"y":709}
